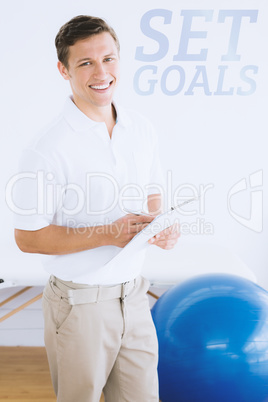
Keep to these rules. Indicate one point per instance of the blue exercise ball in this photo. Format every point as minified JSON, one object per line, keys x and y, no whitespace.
{"x":213,"y":340}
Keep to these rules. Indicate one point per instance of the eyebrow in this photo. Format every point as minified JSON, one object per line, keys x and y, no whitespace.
{"x":89,"y":58}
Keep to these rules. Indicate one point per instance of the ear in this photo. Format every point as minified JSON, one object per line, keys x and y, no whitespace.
{"x":63,"y":70}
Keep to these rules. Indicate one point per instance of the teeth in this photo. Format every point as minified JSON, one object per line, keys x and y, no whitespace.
{"x":100,"y":86}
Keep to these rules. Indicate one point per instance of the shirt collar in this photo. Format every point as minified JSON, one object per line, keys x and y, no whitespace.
{"x":121,"y":116}
{"x":80,"y":122}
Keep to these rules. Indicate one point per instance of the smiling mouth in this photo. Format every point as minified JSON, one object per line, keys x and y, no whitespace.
{"x":101,"y":87}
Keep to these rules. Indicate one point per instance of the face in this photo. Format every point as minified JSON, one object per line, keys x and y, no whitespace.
{"x":93,"y":71}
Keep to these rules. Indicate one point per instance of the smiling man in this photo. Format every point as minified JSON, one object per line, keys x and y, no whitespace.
{"x":92,"y":69}
{"x":94,"y":161}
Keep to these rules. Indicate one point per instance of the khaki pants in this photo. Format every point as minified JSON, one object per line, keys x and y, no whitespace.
{"x":108,"y":345}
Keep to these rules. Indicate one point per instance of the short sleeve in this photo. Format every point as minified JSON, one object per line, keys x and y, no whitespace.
{"x":35,"y":192}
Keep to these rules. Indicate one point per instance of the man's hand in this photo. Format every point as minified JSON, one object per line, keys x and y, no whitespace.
{"x":124,"y":229}
{"x":167,"y":238}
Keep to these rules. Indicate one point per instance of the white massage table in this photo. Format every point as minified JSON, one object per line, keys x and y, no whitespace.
{"x":163,"y":268}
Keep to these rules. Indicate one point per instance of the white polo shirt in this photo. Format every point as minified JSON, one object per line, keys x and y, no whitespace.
{"x":73,"y":174}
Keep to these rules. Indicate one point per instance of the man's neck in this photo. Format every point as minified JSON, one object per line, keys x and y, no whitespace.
{"x":105,"y":114}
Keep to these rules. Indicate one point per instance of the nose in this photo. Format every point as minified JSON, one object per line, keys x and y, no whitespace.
{"x":100,"y":71}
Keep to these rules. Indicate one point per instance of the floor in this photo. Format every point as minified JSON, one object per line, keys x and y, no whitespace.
{"x":24,"y":375}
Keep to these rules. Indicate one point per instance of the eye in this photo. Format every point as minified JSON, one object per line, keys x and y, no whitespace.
{"x":86,"y":63}
{"x":109,"y":59}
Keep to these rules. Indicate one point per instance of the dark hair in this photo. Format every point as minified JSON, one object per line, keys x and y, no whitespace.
{"x":80,"y":27}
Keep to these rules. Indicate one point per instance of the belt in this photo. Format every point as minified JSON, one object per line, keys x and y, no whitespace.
{"x":94,"y":294}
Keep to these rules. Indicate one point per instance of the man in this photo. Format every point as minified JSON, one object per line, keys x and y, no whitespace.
{"x":91,"y":163}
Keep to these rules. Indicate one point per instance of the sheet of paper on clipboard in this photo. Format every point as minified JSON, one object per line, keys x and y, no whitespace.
{"x":139,"y":243}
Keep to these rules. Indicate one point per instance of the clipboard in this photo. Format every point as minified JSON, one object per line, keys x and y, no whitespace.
{"x":139,"y":243}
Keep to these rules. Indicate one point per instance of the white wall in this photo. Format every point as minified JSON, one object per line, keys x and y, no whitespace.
{"x":208,"y":139}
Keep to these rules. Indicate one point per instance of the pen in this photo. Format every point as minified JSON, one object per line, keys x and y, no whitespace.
{"x":128,"y":211}
{"x":186,"y":202}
